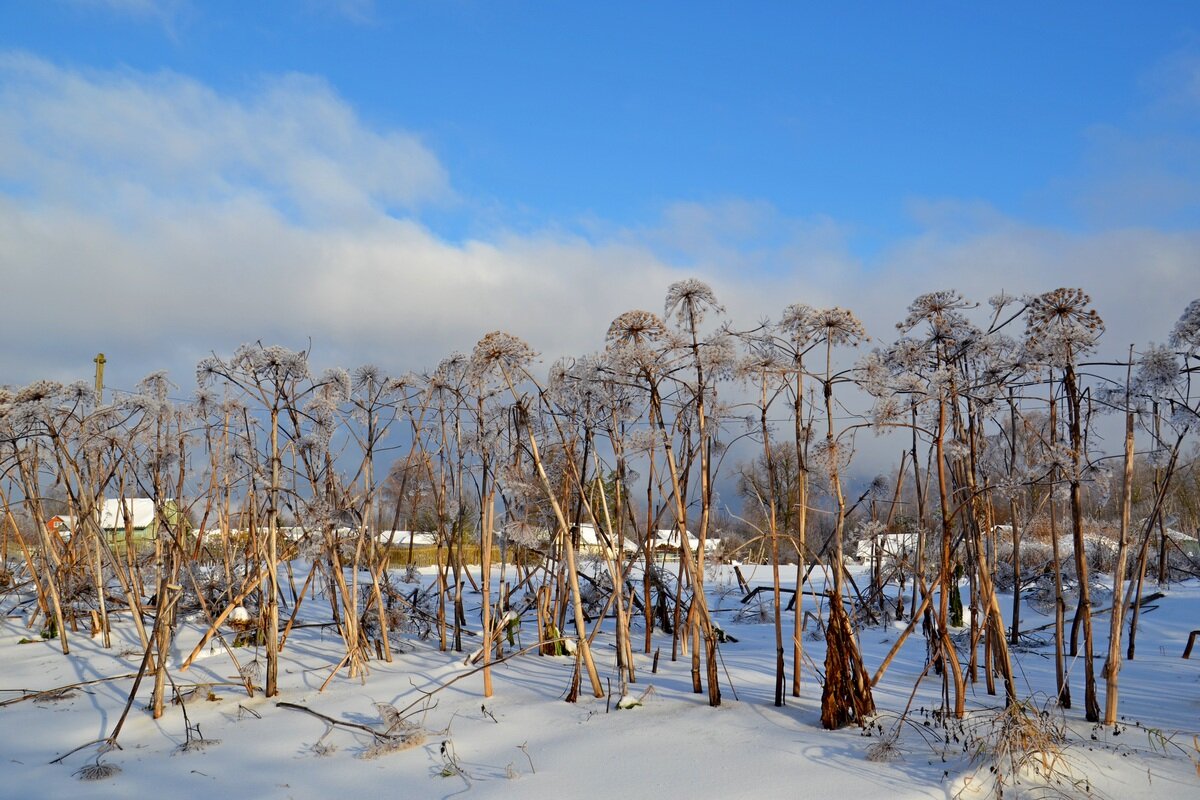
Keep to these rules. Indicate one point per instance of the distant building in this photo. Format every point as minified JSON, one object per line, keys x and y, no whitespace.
{"x":62,"y":525}
{"x":590,"y":541}
{"x":405,"y":538}
{"x":668,"y":539}
{"x":891,"y":546}
{"x":1188,"y":545}
{"x":138,"y":517}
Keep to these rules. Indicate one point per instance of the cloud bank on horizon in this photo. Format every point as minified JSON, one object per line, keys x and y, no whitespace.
{"x":157,"y":216}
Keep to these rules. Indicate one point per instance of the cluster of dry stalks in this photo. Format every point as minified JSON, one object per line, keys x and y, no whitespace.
{"x":278,"y":489}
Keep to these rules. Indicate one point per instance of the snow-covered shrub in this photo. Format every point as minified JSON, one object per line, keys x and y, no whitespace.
{"x":1037,"y":557}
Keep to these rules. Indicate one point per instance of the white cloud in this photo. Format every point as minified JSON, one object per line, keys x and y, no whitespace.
{"x":121,"y":141}
{"x":1140,"y":279}
{"x":156,"y":219}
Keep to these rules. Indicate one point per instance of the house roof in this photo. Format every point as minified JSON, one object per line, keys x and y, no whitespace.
{"x":404,"y":537}
{"x":1179,"y":536}
{"x":889,"y":544}
{"x":588,"y":537}
{"x":669,"y":537}
{"x":140,"y":509}
{"x":61,"y":524}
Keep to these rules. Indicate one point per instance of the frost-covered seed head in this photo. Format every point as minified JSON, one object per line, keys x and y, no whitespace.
{"x":336,"y":383}
{"x":500,"y":350}
{"x":1186,"y":334}
{"x":838,"y":326}
{"x":1063,"y":323}
{"x":209,"y":370}
{"x":635,"y":327}
{"x":942,"y":308}
{"x":798,"y":322}
{"x":39,"y":392}
{"x":367,"y":376}
{"x":689,"y":301}
{"x":1158,"y":371}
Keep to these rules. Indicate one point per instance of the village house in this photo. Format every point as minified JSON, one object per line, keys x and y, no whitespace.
{"x":61,"y":525}
{"x":668,"y":539}
{"x":591,"y":542}
{"x":138,"y":518}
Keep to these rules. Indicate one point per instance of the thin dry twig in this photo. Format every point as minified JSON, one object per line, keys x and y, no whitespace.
{"x":35,"y":694}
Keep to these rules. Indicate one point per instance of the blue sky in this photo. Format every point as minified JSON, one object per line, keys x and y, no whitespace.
{"x":615,"y":110}
{"x":349,"y":171}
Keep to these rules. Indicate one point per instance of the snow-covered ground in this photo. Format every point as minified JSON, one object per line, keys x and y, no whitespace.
{"x":526,"y":739}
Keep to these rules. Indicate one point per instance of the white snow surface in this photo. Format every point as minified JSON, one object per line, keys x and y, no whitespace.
{"x":526,"y":740}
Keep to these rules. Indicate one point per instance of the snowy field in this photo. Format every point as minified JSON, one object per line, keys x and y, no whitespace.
{"x":526,"y":740}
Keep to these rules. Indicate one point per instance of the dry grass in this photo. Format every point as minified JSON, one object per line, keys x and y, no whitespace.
{"x":428,"y":555}
{"x":1021,"y":750}
{"x":1021,"y":746}
{"x":1025,"y":739}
